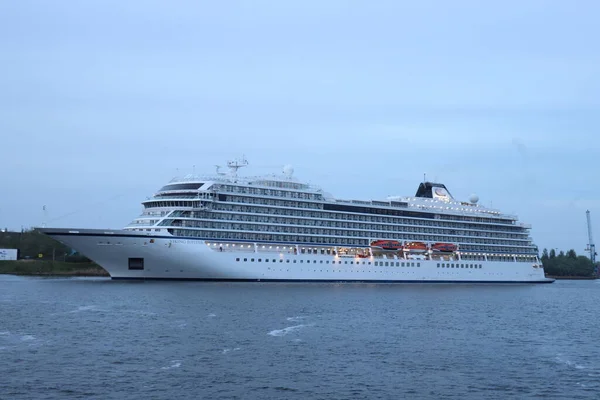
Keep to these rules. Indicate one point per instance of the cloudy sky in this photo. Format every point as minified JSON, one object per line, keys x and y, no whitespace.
{"x":101,"y":102}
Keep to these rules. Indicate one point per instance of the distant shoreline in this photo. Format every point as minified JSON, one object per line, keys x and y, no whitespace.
{"x":51,"y":268}
{"x":60,"y":268}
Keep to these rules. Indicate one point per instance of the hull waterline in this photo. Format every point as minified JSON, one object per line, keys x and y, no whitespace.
{"x":129,"y":255}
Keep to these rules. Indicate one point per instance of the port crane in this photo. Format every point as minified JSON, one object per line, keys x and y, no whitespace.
{"x":591,"y":247}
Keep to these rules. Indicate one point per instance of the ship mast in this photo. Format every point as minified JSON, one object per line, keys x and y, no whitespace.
{"x":234,"y":165}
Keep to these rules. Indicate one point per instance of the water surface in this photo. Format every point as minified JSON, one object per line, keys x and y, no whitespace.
{"x":74,"y":338}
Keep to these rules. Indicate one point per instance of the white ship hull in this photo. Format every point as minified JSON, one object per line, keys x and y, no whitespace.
{"x":179,"y":258}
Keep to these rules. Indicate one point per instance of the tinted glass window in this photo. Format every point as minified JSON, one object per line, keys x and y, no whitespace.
{"x":182,"y":186}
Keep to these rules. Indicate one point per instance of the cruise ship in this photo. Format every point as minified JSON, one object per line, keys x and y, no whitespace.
{"x":230,"y":227}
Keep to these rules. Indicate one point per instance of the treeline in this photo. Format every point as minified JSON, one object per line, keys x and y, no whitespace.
{"x":566,"y":264}
{"x":32,"y":244}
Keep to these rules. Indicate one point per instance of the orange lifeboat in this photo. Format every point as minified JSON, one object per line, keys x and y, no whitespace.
{"x":444,"y":247}
{"x":386,"y":244}
{"x":415,"y":247}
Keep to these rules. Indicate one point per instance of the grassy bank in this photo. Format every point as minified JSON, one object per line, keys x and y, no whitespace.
{"x":51,"y":268}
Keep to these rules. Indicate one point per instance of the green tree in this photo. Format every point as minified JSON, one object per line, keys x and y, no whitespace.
{"x":32,"y":243}
{"x":544,"y":255}
{"x":571,"y":254}
{"x":566,"y":265}
{"x":552,"y":253}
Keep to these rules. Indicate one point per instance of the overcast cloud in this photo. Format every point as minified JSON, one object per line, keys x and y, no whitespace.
{"x":102,"y":101}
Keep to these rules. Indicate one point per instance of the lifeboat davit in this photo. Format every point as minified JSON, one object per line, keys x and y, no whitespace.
{"x":415,"y":247}
{"x":444,"y":247}
{"x":386,"y":244}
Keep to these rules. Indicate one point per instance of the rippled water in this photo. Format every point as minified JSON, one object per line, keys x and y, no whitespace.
{"x":95,"y":338}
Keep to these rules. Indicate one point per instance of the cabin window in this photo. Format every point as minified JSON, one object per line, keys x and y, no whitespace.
{"x":237,"y":259}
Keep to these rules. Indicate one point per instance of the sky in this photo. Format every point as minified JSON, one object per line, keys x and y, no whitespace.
{"x":102,"y":102}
